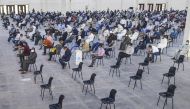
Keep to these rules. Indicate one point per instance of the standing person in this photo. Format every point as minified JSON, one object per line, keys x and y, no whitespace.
{"x":31,"y":60}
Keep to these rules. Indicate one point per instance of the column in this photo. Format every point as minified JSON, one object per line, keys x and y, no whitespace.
{"x":187,"y":28}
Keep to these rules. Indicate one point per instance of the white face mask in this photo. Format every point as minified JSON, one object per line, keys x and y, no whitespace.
{"x":32,"y":50}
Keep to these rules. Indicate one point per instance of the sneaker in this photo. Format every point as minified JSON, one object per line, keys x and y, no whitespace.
{"x":20,"y":70}
{"x":23,"y":72}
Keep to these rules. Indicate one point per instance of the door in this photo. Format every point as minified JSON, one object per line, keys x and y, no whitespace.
{"x":1,"y":9}
{"x":150,"y":7}
{"x":141,"y":7}
{"x":10,"y":9}
{"x":21,"y":9}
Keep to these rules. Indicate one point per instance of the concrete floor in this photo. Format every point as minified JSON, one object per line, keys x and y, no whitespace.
{"x":18,"y":91}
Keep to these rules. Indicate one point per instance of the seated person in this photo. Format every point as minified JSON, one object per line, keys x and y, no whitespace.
{"x":163,"y":43}
{"x":47,"y":43}
{"x":125,"y":53}
{"x":151,"y":52}
{"x":31,"y":59}
{"x":134,"y":36}
{"x":111,"y":43}
{"x":100,"y":53}
{"x":55,"y":50}
{"x":66,"y":57}
{"x":90,"y":37}
{"x":182,"y":50}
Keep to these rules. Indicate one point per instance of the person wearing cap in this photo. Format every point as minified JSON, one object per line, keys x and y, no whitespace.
{"x":66,"y":57}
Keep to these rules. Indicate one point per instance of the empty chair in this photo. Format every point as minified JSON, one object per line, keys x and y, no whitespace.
{"x":46,"y":86}
{"x":138,"y":76}
{"x":78,"y":71}
{"x":168,"y":94}
{"x":145,"y":64}
{"x":109,"y":100}
{"x":170,"y":74}
{"x":179,"y":61}
{"x":32,"y":65}
{"x":159,"y":54}
{"x":59,"y":104}
{"x":38,"y":72}
{"x":89,"y":83}
{"x":100,"y":60}
{"x":115,"y":69}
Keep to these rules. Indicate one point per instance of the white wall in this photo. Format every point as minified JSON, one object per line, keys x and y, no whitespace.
{"x":66,"y":5}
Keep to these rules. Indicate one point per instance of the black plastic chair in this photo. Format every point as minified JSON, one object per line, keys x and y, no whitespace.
{"x":32,"y":65}
{"x":38,"y":72}
{"x":179,"y":61}
{"x":145,"y":64}
{"x":159,"y":54}
{"x":47,"y":86}
{"x":89,"y":82}
{"x":115,"y":69}
{"x":109,"y":100}
{"x":170,"y":74}
{"x":138,"y":76}
{"x":100,"y":60}
{"x":78,"y":71}
{"x":59,"y":104}
{"x":169,"y":94}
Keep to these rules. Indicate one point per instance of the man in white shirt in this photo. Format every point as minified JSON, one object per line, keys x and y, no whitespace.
{"x":134,"y":36}
{"x":90,"y":37}
{"x":152,"y":51}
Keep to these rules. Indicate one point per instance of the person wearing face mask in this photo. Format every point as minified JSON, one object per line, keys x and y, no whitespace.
{"x":30,"y":60}
{"x":182,"y":50}
{"x":66,"y":57}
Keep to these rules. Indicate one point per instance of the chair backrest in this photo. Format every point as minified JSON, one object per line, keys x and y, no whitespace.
{"x":171,"y":89}
{"x":61,"y":97}
{"x":172,"y":70}
{"x":139,"y":73}
{"x":160,"y":50}
{"x":80,"y":65}
{"x":146,"y":60}
{"x":41,"y":67}
{"x":92,"y":78}
{"x":181,"y":58}
{"x":112,"y":94}
{"x":50,"y":81}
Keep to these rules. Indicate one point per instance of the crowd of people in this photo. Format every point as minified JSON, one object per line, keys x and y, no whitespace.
{"x":97,"y":33}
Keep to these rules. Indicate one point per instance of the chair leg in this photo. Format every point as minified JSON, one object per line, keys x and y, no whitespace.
{"x":172,"y":103}
{"x":51,"y":93}
{"x":114,"y":106}
{"x":165,"y":103}
{"x":42,"y":78}
{"x":178,"y":67}
{"x":119,"y":72}
{"x":135,"y":84}
{"x":110,"y":72}
{"x":72,"y":74}
{"x":162,"y":79}
{"x":174,"y":80}
{"x":113,"y":71}
{"x":35,"y":79}
{"x":183,"y":66}
{"x":129,"y":82}
{"x":86,"y":90}
{"x":158,"y":100}
{"x":81,"y":75}
{"x":93,"y":88}
{"x":168,"y":81}
{"x":101,"y":106}
{"x":141,"y":83}
{"x":82,"y":88}
{"x":148,"y":69}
